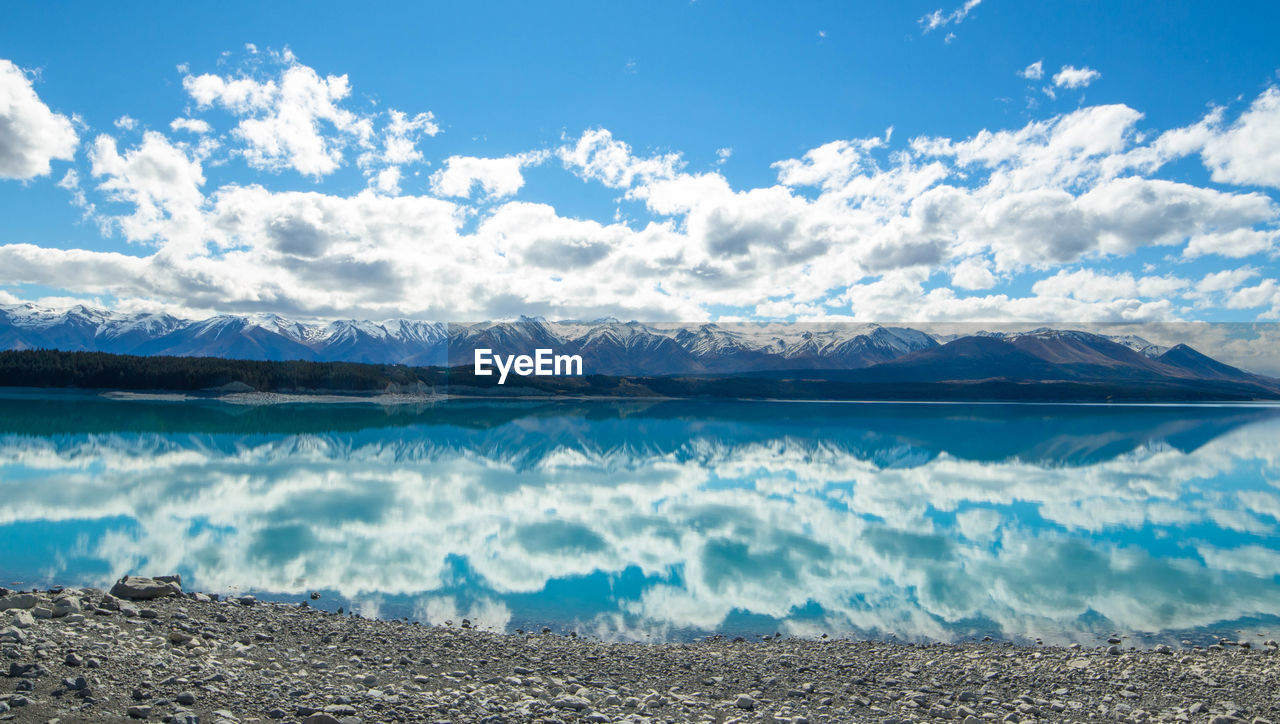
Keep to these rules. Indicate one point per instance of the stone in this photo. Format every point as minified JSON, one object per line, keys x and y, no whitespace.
{"x":42,"y":612}
{"x":12,"y":635}
{"x":20,"y":601}
{"x":321,"y":718}
{"x":139,"y":712}
{"x":139,"y":588}
{"x":66,"y":605}
{"x":186,"y":698}
{"x":575,"y":703}
{"x":744,"y":702}
{"x":23,"y":619}
{"x":73,"y":660}
{"x":1113,"y":650}
{"x":247,"y":600}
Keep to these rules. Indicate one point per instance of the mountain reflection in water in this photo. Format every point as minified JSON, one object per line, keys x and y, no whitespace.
{"x":630,"y":520}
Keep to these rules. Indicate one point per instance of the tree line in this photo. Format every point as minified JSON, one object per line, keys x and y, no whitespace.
{"x":100,"y":370}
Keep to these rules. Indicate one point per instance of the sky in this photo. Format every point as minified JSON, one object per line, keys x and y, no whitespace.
{"x":973,"y":161}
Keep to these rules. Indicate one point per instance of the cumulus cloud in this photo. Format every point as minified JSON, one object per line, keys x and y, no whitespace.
{"x":397,"y":147}
{"x":1248,"y":151}
{"x":1073,"y":77}
{"x":973,"y":274}
{"x":31,"y":134}
{"x":495,"y":177}
{"x":295,"y":120}
{"x":1093,"y":286}
{"x":159,"y":180}
{"x":1035,"y":71}
{"x":857,"y":228}
{"x":597,"y":156}
{"x":190,"y":125}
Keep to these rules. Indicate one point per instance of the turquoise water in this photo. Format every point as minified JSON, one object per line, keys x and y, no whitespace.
{"x":672,"y":519}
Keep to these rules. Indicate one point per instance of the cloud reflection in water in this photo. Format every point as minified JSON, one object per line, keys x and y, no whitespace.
{"x":929,"y":521}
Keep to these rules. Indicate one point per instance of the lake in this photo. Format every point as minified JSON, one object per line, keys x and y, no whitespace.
{"x":668,"y":520}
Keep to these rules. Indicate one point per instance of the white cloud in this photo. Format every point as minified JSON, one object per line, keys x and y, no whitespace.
{"x":1092,"y":286}
{"x":938,"y":19}
{"x":293,"y":121}
{"x":495,"y":177}
{"x":160,"y":181}
{"x":1233,"y":244}
{"x":973,"y":274}
{"x":31,"y":134}
{"x":190,"y":125}
{"x":598,"y":157}
{"x":1225,"y":280}
{"x":1248,"y":151}
{"x":400,"y":139}
{"x":855,"y":228}
{"x":1072,"y":77}
{"x":1035,"y":71}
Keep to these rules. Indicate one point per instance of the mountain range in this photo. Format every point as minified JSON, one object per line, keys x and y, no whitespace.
{"x":849,"y":352}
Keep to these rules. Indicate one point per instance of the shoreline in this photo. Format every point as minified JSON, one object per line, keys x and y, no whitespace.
{"x":260,"y":399}
{"x":254,"y":399}
{"x":85,"y":655}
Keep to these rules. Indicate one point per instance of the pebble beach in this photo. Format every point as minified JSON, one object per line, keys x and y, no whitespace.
{"x":148,"y":651}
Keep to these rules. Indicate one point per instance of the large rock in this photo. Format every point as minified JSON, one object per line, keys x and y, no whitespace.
{"x":66,"y":605}
{"x":20,"y":600}
{"x":138,"y":588}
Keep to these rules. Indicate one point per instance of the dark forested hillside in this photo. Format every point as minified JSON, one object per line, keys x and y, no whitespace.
{"x":98,"y":370}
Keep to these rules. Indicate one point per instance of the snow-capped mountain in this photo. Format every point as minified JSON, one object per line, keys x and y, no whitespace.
{"x":607,"y":346}
{"x":257,"y":337}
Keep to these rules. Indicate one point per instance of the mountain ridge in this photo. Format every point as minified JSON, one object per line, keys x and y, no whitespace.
{"x":855,"y":352}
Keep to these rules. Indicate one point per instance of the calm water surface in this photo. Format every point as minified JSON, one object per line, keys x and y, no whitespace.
{"x":669,"y":520}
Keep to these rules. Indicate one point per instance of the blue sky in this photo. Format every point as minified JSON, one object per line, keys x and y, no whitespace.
{"x":905,"y":161}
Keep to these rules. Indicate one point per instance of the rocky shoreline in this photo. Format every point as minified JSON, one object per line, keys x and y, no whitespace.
{"x":147,"y":651}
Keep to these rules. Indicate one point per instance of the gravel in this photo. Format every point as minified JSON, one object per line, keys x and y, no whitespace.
{"x":201,"y":659}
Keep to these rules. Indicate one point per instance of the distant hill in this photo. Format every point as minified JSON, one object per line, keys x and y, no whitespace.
{"x":884,"y":361}
{"x":967,"y":369}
